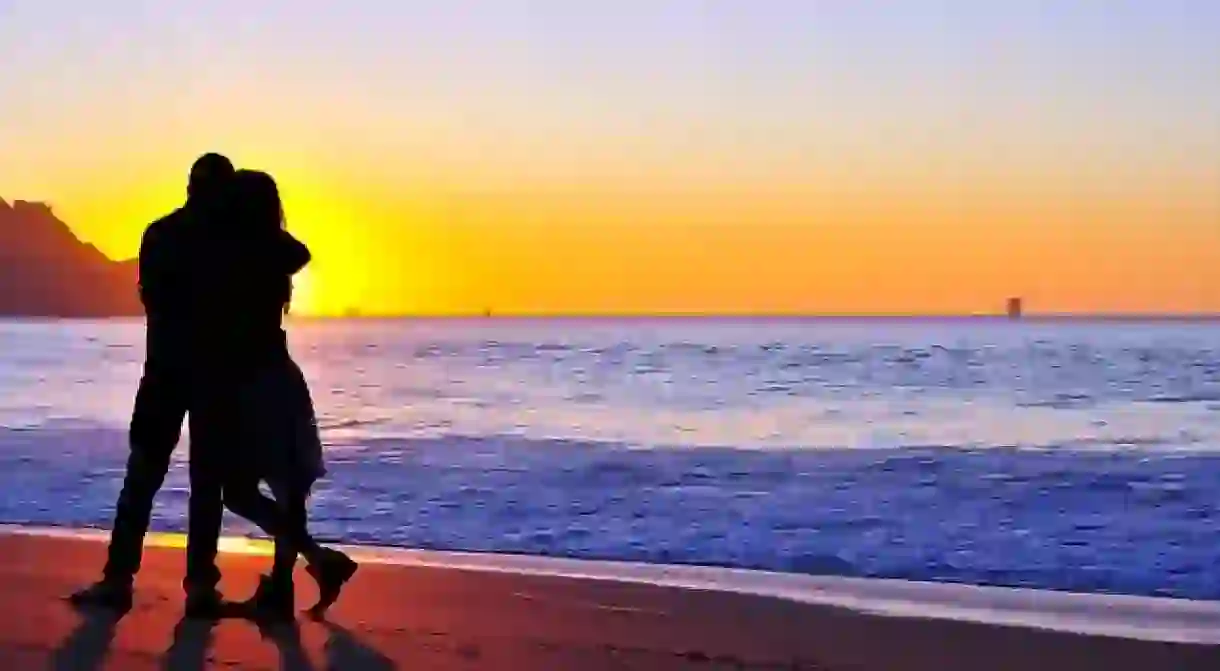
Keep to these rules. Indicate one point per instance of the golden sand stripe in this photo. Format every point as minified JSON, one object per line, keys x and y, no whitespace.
{"x":228,"y":544}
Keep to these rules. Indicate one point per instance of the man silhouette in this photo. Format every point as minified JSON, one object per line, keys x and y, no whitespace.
{"x":164,"y":395}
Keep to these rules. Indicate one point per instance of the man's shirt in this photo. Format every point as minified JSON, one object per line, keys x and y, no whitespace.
{"x":165,"y":285}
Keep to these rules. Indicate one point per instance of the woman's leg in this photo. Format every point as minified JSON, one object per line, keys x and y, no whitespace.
{"x":294,"y":504}
{"x":242,"y":496}
{"x":331,"y":569}
{"x":275,"y":596}
{"x":284,"y":564}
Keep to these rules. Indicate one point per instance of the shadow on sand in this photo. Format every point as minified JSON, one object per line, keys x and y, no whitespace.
{"x":287,"y":640}
{"x":86,"y":647}
{"x":189,"y":650}
{"x":344,"y":650}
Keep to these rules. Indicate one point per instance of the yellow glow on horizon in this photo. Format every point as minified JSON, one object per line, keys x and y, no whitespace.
{"x":304,"y":293}
{"x":387,"y":241}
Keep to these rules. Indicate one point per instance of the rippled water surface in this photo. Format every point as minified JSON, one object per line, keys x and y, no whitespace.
{"x":1065,"y":454}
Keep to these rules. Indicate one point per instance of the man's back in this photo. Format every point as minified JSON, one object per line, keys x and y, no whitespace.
{"x":164,"y":268}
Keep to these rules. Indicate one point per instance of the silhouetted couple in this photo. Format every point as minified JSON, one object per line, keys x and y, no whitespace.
{"x":216,"y":281}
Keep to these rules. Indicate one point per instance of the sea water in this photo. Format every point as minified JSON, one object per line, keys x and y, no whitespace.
{"x":1061,"y":454}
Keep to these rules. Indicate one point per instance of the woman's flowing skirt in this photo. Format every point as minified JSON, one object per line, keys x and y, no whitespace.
{"x":281,"y":427}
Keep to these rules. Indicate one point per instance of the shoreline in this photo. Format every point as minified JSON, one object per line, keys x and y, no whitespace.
{"x":1154,"y":619}
{"x":1145,"y":618}
{"x":421,"y":609}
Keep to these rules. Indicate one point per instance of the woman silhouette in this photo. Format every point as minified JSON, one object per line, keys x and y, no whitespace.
{"x":271,"y":433}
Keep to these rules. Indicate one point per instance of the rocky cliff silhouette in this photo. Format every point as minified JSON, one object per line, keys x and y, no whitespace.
{"x":45,"y":271}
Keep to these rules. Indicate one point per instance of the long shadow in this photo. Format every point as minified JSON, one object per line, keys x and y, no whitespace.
{"x":87,"y":646}
{"x":189,"y":650}
{"x":287,"y":639}
{"x":344,"y":650}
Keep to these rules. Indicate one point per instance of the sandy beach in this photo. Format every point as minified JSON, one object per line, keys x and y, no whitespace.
{"x":396,"y":615}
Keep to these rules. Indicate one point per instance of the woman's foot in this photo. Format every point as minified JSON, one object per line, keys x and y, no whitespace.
{"x":273,"y":601}
{"x":331,"y":571}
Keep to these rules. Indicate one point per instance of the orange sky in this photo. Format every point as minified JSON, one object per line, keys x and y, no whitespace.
{"x":697,"y":158}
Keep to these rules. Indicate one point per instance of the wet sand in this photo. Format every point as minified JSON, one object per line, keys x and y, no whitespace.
{"x":419,"y":617}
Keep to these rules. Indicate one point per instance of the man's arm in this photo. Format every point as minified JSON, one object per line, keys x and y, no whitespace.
{"x":292,"y":253}
{"x":154,"y":267}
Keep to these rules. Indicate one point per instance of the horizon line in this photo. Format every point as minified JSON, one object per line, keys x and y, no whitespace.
{"x":1027,"y":317}
{"x":695,"y":316}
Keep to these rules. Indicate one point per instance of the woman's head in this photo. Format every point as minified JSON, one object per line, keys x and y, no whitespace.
{"x":256,"y":200}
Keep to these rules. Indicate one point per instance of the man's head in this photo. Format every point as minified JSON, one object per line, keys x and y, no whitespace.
{"x":209,"y":175}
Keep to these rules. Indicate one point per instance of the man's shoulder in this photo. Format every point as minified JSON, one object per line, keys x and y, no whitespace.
{"x":173,"y":223}
{"x":178,"y":216}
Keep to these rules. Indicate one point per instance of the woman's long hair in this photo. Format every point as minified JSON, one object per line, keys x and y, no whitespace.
{"x":256,"y":201}
{"x":257,"y":213}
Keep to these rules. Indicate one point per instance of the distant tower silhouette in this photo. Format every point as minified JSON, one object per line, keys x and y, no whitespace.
{"x":1015,"y":308}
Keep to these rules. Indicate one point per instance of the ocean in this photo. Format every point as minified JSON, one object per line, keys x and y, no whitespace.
{"x":1056,"y":454}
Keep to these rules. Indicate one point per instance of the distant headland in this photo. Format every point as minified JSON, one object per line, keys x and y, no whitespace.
{"x":46,"y":271}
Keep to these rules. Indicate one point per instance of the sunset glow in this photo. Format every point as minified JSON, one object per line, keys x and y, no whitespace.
{"x":681,"y":156}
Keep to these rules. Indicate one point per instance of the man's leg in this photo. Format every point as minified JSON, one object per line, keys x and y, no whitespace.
{"x":156,"y":425}
{"x":205,"y":512}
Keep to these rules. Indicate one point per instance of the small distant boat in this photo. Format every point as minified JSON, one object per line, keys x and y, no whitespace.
{"x":1015,"y":308}
{"x":351,"y":313}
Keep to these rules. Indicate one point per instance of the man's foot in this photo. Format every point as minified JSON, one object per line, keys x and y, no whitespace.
{"x":273,"y":601}
{"x":109,"y":594}
{"x":331,"y":572}
{"x":204,"y":604}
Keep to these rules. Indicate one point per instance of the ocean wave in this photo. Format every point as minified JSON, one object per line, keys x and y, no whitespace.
{"x":1134,"y":522}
